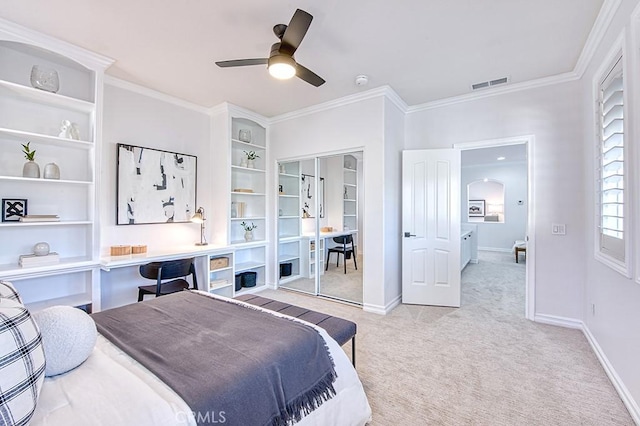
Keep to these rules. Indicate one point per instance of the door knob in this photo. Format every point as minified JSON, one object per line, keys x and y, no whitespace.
{"x":408,"y":234}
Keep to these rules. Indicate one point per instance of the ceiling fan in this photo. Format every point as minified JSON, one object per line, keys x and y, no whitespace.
{"x":281,"y":63}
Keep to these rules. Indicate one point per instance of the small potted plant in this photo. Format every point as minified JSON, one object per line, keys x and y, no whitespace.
{"x":30,"y":169}
{"x":248,"y":230}
{"x":251,"y":157}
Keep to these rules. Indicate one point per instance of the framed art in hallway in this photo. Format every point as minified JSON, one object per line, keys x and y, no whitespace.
{"x":476,"y":208}
{"x":13,"y":209}
{"x":154,"y":186}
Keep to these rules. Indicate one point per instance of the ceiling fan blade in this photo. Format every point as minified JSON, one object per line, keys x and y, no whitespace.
{"x":309,"y":76}
{"x":242,"y":62}
{"x":295,"y":31}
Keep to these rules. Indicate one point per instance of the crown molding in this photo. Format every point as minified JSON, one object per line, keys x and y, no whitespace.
{"x":603,"y":20}
{"x":151,"y":93}
{"x":517,"y":87}
{"x":17,"y":33}
{"x":382,"y":91}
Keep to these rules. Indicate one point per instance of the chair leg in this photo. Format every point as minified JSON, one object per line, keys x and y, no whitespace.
{"x":355,"y":263}
{"x":353,"y":351}
{"x":344,"y":255}
{"x":326,"y":262}
{"x":140,"y":295}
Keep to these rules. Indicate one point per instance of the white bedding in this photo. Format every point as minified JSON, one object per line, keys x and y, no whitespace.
{"x":110,"y":388}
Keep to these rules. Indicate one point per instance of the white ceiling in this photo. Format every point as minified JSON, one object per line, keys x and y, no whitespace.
{"x":424,"y":49}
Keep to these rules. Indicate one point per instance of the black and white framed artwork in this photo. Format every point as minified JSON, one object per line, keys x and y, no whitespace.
{"x":13,"y":209}
{"x":308,"y":190}
{"x":155,"y":186}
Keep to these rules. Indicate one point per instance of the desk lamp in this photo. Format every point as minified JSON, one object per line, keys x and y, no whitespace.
{"x":198,"y":217}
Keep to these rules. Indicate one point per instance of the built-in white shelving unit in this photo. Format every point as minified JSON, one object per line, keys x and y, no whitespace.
{"x":289,"y":222}
{"x":28,"y":114}
{"x":350,"y":193}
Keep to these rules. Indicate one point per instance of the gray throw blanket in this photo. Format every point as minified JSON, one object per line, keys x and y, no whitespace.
{"x":226,"y":361}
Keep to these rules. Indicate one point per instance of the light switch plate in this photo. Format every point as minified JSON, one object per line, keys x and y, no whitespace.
{"x":558,"y":229}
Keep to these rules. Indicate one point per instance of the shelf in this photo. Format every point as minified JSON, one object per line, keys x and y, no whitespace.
{"x":288,"y":238}
{"x":248,"y":145}
{"x":247,"y":218}
{"x":41,"y":180}
{"x":349,"y":170}
{"x":72,"y":300}
{"x":349,"y":215}
{"x":19,"y":135}
{"x":250,"y":290}
{"x":289,"y":175}
{"x":246,"y":266}
{"x":248,"y":244}
{"x":60,"y":223}
{"x":289,"y":279}
{"x":288,"y":217}
{"x":66,"y":265}
{"x":48,"y":98}
{"x":226,"y":268}
{"x":287,"y":257}
{"x":247,"y":169}
{"x":251,"y":194}
{"x":348,"y":199}
{"x":288,"y":196}
{"x":352,"y":185}
{"x":219,"y":286}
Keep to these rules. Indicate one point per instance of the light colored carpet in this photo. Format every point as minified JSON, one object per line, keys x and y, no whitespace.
{"x":481,"y":364}
{"x":334,"y":282}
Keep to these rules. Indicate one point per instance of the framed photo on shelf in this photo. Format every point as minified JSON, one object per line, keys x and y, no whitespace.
{"x":476,"y":208}
{"x":154,"y":186}
{"x":13,"y":209}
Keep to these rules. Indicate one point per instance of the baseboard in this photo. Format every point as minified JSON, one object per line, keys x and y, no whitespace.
{"x":559,"y":321}
{"x":499,"y":250}
{"x":473,"y":261}
{"x":622,"y":390}
{"x":382,"y":310}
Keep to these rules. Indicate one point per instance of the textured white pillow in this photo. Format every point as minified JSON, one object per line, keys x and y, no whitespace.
{"x":8,"y":291}
{"x":21,"y":363}
{"x":68,"y":337}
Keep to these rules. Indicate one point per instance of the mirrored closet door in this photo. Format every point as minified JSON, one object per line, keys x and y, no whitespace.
{"x":319,"y":247}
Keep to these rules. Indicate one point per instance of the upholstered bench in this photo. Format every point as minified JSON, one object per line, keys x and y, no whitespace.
{"x":339,"y":329}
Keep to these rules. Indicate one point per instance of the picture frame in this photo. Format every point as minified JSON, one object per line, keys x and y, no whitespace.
{"x":154,"y":186}
{"x":308,"y":188}
{"x":13,"y":209}
{"x":476,"y":208}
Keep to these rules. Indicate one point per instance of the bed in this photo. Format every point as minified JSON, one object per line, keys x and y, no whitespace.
{"x":112,"y":388}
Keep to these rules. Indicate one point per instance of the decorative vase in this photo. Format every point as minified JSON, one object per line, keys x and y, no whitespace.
{"x":248,"y":236}
{"x":31,"y":169}
{"x":251,"y":164}
{"x":243,"y":162}
{"x":41,"y":249}
{"x":45,"y":78}
{"x":51,"y":171}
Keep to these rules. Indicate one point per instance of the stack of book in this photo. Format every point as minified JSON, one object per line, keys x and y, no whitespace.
{"x":40,"y":218}
{"x":31,"y":260}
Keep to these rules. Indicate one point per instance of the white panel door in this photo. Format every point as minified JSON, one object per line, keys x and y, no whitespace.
{"x":431,"y":226}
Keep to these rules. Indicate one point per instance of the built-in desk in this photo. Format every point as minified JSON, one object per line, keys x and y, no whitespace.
{"x":120,"y":277}
{"x":310,"y":256}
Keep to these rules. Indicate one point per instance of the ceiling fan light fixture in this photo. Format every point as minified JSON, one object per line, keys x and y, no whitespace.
{"x":282,"y":67}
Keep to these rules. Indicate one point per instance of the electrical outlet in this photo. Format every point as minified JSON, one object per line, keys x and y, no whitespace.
{"x":558,"y":229}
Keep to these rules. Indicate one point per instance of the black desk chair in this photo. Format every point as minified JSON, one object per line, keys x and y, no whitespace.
{"x":174,"y":270}
{"x":347,"y":252}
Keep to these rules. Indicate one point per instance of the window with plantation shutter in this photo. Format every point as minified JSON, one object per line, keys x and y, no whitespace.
{"x":612,"y":164}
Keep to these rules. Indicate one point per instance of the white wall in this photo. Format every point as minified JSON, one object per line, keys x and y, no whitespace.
{"x":616,"y":298}
{"x":355,"y":127}
{"x":494,"y":235}
{"x":550,"y":114}
{"x":142,"y":120}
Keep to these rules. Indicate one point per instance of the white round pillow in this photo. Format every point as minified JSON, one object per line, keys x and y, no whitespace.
{"x":68,"y":337}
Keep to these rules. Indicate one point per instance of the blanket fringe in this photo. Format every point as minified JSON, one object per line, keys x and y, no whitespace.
{"x":304,"y":404}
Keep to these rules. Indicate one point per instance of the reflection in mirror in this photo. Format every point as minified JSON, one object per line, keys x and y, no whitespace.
{"x":485,"y":201}
{"x":306,"y":237}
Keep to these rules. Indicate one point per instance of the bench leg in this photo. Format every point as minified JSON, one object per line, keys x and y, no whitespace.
{"x":353,"y":351}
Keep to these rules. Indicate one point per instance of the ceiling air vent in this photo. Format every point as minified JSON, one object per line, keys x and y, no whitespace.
{"x":490,"y":83}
